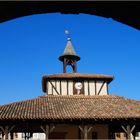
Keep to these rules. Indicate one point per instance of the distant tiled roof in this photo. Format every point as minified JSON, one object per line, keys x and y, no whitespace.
{"x":108,"y":78}
{"x":72,"y":107}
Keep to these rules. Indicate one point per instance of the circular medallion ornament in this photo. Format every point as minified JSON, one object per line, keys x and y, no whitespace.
{"x":78,"y":85}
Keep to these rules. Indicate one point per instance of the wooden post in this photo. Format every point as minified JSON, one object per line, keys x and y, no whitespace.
{"x":11,"y":136}
{"x":85,"y":130}
{"x":2,"y":135}
{"x":6,"y":130}
{"x":134,"y":135}
{"x":74,"y":66}
{"x":47,"y":130}
{"x":64,"y":65}
{"x":128,"y":131}
{"x":6,"y":135}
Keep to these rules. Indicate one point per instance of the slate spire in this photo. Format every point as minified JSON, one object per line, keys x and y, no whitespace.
{"x":69,"y":56}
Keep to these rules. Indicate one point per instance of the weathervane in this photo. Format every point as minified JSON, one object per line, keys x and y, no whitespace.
{"x":67,"y":34}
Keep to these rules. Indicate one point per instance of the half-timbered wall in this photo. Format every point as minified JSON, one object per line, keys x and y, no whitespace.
{"x":67,"y":87}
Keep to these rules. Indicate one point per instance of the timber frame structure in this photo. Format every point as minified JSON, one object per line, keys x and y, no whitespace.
{"x":46,"y":113}
{"x":76,"y":106}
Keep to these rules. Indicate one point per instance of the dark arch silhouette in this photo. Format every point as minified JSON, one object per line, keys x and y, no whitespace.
{"x":124,"y":12}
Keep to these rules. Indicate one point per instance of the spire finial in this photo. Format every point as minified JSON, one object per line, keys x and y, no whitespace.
{"x":67,"y":34}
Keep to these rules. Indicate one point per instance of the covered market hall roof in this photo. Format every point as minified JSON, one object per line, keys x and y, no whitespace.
{"x":72,"y":107}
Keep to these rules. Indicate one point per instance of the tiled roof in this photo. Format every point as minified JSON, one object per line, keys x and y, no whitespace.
{"x":79,"y":75}
{"x":72,"y":107}
{"x":69,"y":50}
{"x":108,"y":78}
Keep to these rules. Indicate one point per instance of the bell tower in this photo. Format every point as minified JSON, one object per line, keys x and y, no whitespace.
{"x":69,"y":56}
{"x":74,"y":83}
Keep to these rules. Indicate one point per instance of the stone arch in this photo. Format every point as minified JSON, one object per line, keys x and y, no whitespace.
{"x":124,"y":12}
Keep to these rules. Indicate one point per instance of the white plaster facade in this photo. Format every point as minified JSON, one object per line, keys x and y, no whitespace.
{"x":66,"y":87}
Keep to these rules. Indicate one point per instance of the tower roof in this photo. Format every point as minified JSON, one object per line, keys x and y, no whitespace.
{"x":69,"y":52}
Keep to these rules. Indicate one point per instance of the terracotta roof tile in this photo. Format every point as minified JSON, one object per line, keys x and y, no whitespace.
{"x":72,"y":107}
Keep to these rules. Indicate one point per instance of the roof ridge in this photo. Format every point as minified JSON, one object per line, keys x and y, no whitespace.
{"x":83,"y":96}
{"x":76,"y":73}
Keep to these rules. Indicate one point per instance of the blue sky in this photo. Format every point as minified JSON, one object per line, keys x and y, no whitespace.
{"x":30,"y":47}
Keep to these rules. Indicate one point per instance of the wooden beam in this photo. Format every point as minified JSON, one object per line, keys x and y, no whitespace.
{"x":95,"y":88}
{"x":89,"y":129}
{"x":60,"y":87}
{"x":54,"y":87}
{"x":101,"y":88}
{"x":81,"y":128}
{"x":1,"y":127}
{"x":133,"y":128}
{"x":88,"y":87}
{"x":124,"y":128}
{"x":52,"y":128}
{"x":10,"y":129}
{"x":128,"y":130}
{"x":43,"y":129}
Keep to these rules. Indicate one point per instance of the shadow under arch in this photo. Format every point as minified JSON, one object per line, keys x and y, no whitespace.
{"x":124,"y":12}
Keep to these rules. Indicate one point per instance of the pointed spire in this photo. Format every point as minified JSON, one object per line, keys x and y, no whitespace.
{"x":69,"y":56}
{"x":69,"y":50}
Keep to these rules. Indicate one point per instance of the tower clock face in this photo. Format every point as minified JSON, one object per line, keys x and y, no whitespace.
{"x":78,"y":85}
